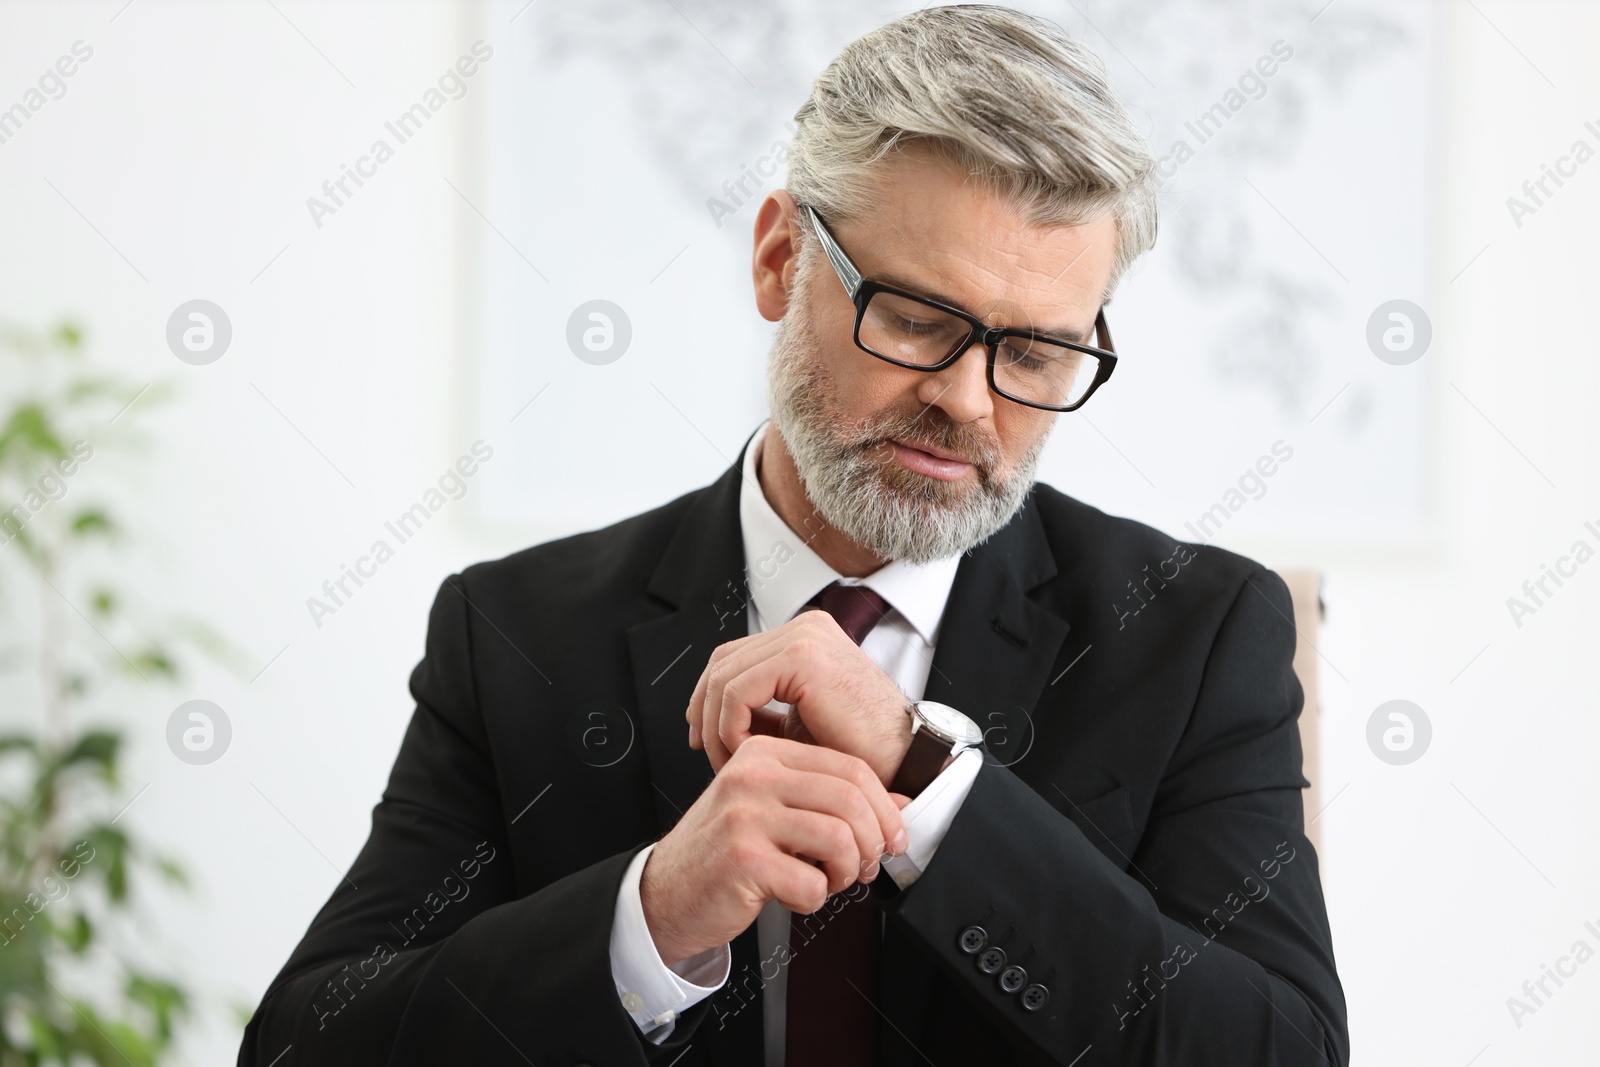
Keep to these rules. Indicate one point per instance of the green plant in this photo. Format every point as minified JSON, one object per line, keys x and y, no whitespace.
{"x":69,"y":871}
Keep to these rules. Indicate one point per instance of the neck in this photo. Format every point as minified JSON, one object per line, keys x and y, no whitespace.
{"x":780,"y":483}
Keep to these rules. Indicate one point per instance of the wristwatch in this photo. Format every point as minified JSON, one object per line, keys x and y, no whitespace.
{"x":938,"y":731}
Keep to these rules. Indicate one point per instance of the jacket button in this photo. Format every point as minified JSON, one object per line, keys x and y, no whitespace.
{"x":992,"y":960}
{"x":1035,"y":997}
{"x":1013,"y":978}
{"x":972,"y":940}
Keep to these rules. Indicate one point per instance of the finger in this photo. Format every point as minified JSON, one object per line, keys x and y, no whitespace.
{"x":733,"y":657}
{"x":799,"y":886}
{"x":770,"y":873}
{"x":726,"y":662}
{"x":826,"y":839}
{"x":716,"y":751}
{"x":838,"y":800}
{"x":703,"y":727}
{"x":694,"y":713}
{"x":783,"y":672}
{"x":852,"y":769}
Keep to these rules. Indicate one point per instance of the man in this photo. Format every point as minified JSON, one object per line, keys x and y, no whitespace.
{"x":1024,"y":787}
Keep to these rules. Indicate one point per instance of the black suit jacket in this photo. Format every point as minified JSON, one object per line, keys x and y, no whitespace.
{"x":1133,"y":840}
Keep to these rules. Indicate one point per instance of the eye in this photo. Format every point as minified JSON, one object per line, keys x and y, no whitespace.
{"x":1038,"y":357}
{"x":913,"y":326}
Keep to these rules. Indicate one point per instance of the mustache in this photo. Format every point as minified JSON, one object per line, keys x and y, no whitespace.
{"x":935,"y":433}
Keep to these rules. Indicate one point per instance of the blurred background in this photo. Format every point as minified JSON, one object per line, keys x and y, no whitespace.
{"x":269,"y":269}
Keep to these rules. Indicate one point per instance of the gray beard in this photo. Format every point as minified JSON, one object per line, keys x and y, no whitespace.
{"x":849,"y":472}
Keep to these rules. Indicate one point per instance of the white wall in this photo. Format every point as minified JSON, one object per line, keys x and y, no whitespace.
{"x":190,"y":142}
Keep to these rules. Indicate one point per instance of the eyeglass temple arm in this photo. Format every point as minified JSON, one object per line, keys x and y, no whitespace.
{"x":841,"y":263}
{"x":1102,"y":332}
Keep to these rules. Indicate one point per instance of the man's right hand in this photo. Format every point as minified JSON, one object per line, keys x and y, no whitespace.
{"x":751,"y":837}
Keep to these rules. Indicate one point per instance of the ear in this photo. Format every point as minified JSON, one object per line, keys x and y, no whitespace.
{"x":775,"y":256}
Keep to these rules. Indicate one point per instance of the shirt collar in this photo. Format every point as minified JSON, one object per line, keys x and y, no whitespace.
{"x":784,"y":573}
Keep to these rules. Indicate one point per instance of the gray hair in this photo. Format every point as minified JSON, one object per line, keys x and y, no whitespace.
{"x":1009,"y":97}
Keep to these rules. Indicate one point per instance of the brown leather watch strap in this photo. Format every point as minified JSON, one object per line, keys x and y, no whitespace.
{"x":922,"y":763}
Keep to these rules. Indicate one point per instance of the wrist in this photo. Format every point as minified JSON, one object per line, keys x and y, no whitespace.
{"x":938,"y":734}
{"x":898,"y":746}
{"x":669,"y":943}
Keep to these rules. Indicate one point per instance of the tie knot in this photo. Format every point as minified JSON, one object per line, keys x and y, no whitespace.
{"x":855,"y":608}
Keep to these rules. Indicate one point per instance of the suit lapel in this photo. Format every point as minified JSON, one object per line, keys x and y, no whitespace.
{"x":996,"y":646}
{"x":701,"y":576}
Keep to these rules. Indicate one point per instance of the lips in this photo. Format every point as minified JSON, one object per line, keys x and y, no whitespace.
{"x":936,"y":452}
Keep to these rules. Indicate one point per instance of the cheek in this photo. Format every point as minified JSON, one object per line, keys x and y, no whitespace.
{"x":863,"y":384}
{"x":1020,"y":432}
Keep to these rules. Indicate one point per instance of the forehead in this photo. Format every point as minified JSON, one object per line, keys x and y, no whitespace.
{"x":938,"y":232}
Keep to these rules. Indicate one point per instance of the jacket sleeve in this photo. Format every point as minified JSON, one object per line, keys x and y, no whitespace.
{"x":425,"y":954}
{"x":1212,"y":947}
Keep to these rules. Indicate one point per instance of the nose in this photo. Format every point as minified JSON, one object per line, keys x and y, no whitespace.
{"x":961,"y":389}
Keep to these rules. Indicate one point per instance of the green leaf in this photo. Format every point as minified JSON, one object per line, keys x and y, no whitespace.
{"x":111,"y":1041}
{"x":164,"y":1001}
{"x":172,"y":871}
{"x":18,"y":742}
{"x":30,"y":426}
{"x":156,"y":661}
{"x":109,"y":862}
{"x":117,"y":877}
{"x":92,"y":388}
{"x":22,"y":961}
{"x":92,"y":521}
{"x":24,"y":540}
{"x":80,"y":933}
{"x":96,"y":746}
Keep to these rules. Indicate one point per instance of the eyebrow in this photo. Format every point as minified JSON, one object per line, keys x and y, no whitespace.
{"x":1062,"y":333}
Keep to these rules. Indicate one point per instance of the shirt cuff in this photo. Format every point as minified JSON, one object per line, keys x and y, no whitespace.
{"x":929,"y":815}
{"x":652,"y":993}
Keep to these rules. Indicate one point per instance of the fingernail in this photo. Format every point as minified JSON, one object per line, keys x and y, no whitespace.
{"x":872,"y":872}
{"x":901,"y":841}
{"x":694,"y":736}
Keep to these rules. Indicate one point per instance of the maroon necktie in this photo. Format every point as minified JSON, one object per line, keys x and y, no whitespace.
{"x":827,"y":1022}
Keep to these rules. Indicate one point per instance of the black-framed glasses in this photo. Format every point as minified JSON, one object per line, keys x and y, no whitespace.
{"x":915,"y":331}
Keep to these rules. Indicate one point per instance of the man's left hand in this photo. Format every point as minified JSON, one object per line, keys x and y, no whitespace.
{"x":840,"y":698}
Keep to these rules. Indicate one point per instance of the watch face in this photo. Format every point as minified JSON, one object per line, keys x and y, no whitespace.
{"x":949,"y":723}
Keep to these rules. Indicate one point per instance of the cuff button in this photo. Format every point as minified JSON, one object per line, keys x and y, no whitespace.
{"x":992,"y":960}
{"x":633,"y":1002}
{"x":1013,"y":978}
{"x":972,"y":940}
{"x":1035,"y":997}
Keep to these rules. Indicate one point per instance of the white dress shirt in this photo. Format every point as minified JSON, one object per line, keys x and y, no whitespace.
{"x":783,"y":573}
